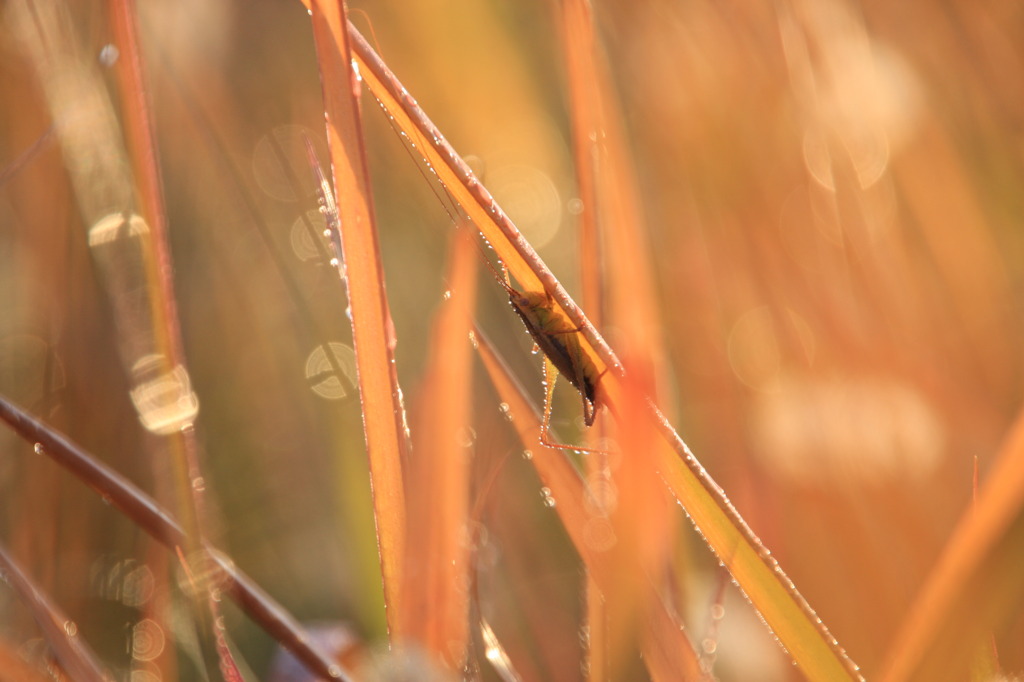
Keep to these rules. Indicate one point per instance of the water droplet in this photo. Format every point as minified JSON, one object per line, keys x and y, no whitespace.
{"x":109,"y":54}
{"x":334,"y":671}
{"x":70,"y":628}
{"x":198,"y":484}
{"x":447,"y":294}
{"x":527,"y":454}
{"x":38,"y":448}
{"x":466,"y":437}
{"x":506,"y":411}
{"x":549,"y":500}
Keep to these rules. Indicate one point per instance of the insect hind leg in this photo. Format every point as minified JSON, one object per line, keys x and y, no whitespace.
{"x":589,"y":409}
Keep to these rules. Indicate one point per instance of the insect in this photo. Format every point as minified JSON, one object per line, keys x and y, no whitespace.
{"x":558,"y":338}
{"x":554,"y":334}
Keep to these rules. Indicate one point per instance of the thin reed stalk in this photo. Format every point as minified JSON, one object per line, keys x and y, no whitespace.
{"x":148,"y":515}
{"x":974,"y":587}
{"x":75,"y":656}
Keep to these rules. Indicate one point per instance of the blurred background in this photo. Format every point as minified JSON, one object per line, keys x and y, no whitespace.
{"x":832,"y":196}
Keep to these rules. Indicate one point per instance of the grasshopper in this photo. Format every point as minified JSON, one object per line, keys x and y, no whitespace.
{"x":554,"y":334}
{"x":557,"y":336}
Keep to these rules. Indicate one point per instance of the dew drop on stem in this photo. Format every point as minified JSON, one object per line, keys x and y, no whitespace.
{"x":549,"y":499}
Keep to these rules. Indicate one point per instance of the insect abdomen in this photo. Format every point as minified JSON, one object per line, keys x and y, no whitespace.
{"x":556,"y":337}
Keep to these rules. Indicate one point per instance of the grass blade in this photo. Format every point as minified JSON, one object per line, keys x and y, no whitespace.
{"x":578,"y":44}
{"x":976,"y":583}
{"x":751,"y":564}
{"x":578,"y":41}
{"x":372,"y":330}
{"x":643,"y":525}
{"x":435,"y":598}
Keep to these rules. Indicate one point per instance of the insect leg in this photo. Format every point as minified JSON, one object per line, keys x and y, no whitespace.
{"x":550,"y":375}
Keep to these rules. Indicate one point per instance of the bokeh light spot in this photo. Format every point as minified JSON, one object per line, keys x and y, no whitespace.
{"x":302,"y":238}
{"x":280,"y":163}
{"x":530,"y":198}
{"x":754,"y":349}
{"x":861,"y":428}
{"x":322,"y":373}
{"x":148,"y":640}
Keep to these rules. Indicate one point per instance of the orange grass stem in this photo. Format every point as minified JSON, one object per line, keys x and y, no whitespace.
{"x":434,"y":597}
{"x":384,"y":418}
